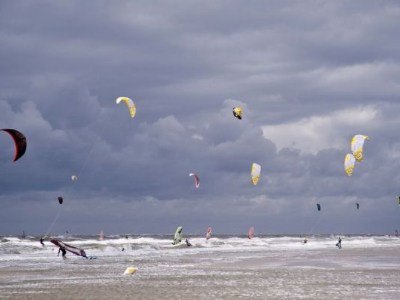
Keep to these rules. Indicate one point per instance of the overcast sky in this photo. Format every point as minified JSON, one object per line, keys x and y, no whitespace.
{"x":308,"y":74}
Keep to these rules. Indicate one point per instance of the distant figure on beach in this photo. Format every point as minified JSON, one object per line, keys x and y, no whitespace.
{"x":41,"y":241}
{"x":63,"y":252}
{"x":188,"y":243}
{"x":339,"y":243}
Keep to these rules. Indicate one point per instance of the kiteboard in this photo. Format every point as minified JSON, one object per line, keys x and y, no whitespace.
{"x":90,"y":257}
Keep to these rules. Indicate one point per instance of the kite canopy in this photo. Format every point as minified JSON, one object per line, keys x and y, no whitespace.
{"x":318,"y":206}
{"x":60,"y":200}
{"x":129,"y":102}
{"x":178,"y":235}
{"x":19,"y":141}
{"x":255,"y":173}
{"x":358,"y":205}
{"x":196,"y":180}
{"x":349,"y":163}
{"x":72,"y":249}
{"x":74,"y":178}
{"x":237,"y":112}
{"x":357,"y":146}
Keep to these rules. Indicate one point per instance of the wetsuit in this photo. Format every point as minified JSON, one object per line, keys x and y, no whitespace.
{"x":63,"y":251}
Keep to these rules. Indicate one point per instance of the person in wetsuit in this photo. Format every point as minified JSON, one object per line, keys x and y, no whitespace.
{"x":63,"y":251}
{"x":188,"y":243}
{"x":339,"y":243}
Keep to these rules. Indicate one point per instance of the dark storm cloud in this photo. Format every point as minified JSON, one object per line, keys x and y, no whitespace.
{"x":308,"y":75}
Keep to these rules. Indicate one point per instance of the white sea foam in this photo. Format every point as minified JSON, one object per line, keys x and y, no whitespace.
{"x":227,"y":267}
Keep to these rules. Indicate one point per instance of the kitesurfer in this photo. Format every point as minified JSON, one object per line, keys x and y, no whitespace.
{"x":188,"y":243}
{"x":41,"y":241}
{"x":339,"y":243}
{"x":63,"y":252}
{"x":305,"y":241}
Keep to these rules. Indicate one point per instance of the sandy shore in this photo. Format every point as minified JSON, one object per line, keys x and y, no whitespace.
{"x":308,"y":274}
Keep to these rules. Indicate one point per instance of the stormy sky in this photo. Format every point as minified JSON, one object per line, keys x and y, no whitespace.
{"x":308,"y":75}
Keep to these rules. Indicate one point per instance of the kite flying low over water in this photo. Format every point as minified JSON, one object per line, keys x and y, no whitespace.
{"x":69,"y":248}
{"x":209,"y":233}
{"x":250,"y":233}
{"x":178,"y":235}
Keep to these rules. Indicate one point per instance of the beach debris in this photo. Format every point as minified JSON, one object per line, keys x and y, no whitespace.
{"x":130,"y":271}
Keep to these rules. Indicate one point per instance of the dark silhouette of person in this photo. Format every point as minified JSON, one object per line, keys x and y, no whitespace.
{"x":63,"y":251}
{"x":41,"y":241}
{"x":339,"y":243}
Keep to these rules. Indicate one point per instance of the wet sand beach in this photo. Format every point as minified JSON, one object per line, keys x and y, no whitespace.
{"x":303,"y":273}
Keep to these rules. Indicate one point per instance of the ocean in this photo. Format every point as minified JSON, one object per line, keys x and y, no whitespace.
{"x":223,"y":267}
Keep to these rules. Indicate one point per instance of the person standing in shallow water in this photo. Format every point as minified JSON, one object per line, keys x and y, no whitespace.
{"x":63,"y":252}
{"x":339,"y":243}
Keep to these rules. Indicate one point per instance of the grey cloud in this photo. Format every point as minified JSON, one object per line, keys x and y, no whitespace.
{"x":186,"y":64}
